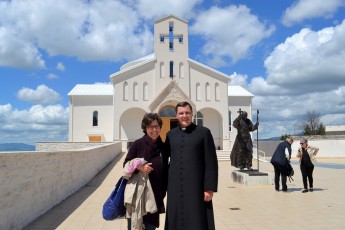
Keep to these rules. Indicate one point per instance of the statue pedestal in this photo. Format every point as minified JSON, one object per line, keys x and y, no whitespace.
{"x":253,"y":177}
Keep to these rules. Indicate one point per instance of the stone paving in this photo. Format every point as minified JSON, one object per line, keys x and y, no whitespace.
{"x":236,"y":206}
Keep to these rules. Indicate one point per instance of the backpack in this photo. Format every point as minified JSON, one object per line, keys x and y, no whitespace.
{"x":289,"y":171}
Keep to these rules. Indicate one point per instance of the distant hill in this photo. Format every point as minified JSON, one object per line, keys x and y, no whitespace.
{"x":16,"y":147}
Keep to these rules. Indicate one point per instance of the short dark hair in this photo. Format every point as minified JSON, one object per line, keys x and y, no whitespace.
{"x":183,"y":104}
{"x":148,"y":118}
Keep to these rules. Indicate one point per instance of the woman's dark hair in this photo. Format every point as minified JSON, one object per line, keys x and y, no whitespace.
{"x":183,"y":104}
{"x":148,"y":118}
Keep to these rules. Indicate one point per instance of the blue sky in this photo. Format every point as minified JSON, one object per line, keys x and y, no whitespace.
{"x":289,"y":54}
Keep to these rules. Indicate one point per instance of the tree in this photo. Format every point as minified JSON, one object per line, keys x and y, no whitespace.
{"x":312,"y":124}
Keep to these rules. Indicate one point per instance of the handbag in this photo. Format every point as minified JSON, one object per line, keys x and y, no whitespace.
{"x":114,"y":207}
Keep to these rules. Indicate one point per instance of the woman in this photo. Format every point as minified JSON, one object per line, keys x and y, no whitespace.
{"x":150,"y":147}
{"x":306,"y":155}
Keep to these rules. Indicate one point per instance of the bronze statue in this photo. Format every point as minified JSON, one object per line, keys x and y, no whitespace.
{"x":242,"y":152}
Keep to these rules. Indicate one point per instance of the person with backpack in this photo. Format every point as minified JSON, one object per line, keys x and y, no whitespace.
{"x":306,"y":155}
{"x":280,"y":161}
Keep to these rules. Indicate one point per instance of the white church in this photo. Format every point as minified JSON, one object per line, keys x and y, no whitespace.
{"x":156,"y":83}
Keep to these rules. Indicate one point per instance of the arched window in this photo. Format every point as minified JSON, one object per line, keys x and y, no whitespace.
{"x":217,"y":92}
{"x":167,"y":112}
{"x":135,"y":91}
{"x":95,"y":118}
{"x":198,"y":119}
{"x":230,"y":122}
{"x":208,"y":91}
{"x":198,"y":91}
{"x":145,"y":91}
{"x":181,"y":70}
{"x":125,"y":91}
{"x":171,"y":69}
{"x":161,"y":69}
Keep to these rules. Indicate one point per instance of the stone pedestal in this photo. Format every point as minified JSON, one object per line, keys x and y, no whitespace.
{"x":253,"y":177}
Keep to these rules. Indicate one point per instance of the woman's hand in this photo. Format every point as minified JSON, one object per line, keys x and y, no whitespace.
{"x":146,"y":168}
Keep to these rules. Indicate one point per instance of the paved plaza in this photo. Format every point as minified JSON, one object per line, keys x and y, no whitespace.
{"x":236,"y":206}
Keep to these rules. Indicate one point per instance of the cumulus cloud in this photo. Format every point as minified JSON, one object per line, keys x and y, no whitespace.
{"x":307,"y":61}
{"x":307,"y":9}
{"x":229,"y":32}
{"x":60,"y":66}
{"x":52,"y":76}
{"x":44,"y":123}
{"x":17,"y":52}
{"x":304,"y":73}
{"x":93,"y":31}
{"x":180,"y":8}
{"x":41,"y":95}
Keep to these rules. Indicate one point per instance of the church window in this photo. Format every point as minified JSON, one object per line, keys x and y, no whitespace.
{"x":162,"y":70}
{"x":95,"y":118}
{"x":135,"y":91}
{"x":161,"y":38}
{"x":198,"y":119}
{"x":125,"y":91}
{"x":171,"y":36}
{"x":181,"y":70}
{"x":198,"y":91}
{"x":171,"y":69}
{"x":217,"y":92}
{"x":230,"y":122}
{"x":167,"y":112}
{"x":208,"y":91}
{"x":146,"y":91}
{"x":180,"y":39}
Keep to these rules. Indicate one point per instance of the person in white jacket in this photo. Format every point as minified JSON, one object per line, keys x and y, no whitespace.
{"x":306,"y":155}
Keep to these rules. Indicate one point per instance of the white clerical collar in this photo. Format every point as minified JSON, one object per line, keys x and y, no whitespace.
{"x":183,"y":128}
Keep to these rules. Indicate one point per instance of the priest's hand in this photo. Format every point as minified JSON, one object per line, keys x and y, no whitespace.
{"x":208,"y":195}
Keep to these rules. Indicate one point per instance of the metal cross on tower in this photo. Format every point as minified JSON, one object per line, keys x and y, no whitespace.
{"x":171,"y":37}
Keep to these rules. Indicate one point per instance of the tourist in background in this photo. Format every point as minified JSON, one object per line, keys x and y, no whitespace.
{"x":306,"y":155}
{"x":280,"y":160}
{"x":193,"y":174}
{"x":151,"y":148}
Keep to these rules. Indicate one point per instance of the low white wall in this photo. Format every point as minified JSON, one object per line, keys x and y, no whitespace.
{"x":327,"y":147}
{"x":31,"y":183}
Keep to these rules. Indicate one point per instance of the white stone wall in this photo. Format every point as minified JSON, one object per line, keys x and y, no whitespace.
{"x":65,"y":146}
{"x":32,"y":183}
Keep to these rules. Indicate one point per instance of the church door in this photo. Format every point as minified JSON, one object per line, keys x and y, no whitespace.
{"x":168,"y":123}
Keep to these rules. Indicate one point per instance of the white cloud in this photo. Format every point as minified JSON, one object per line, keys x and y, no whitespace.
{"x":153,"y":9}
{"x":307,"y":9}
{"x":305,"y":73}
{"x":229,"y":32}
{"x":52,"y":76}
{"x":309,"y":61}
{"x":60,"y":66}
{"x":17,"y":52}
{"x":239,"y":79}
{"x":48,"y":123}
{"x":92,"y":32}
{"x":42,"y":95}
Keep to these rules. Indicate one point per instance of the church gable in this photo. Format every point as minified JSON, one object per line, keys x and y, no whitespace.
{"x":171,"y":93}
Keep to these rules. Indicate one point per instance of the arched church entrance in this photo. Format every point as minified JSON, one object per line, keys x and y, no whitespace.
{"x":168,"y":116}
{"x":170,"y":121}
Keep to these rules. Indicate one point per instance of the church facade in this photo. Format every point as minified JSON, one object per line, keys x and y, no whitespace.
{"x":156,"y":83}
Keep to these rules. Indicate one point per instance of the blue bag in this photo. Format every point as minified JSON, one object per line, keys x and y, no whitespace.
{"x":114,"y":207}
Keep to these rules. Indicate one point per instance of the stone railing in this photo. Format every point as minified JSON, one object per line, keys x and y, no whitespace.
{"x":31,"y":183}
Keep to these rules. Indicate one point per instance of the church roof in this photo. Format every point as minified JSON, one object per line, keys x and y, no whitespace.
{"x":238,"y":91}
{"x":92,"y":89}
{"x":138,"y":61}
{"x":168,"y":17}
